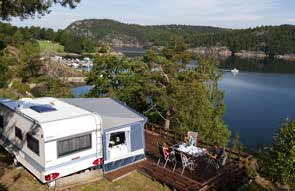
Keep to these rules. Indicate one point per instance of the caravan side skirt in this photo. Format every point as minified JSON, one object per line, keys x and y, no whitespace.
{"x":123,"y":162}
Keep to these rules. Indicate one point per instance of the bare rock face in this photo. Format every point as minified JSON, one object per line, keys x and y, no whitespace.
{"x":290,"y":57}
{"x":80,"y":28}
{"x":251,"y":54}
{"x":220,"y":51}
{"x":120,"y":41}
{"x":223,"y":51}
{"x":124,"y":43}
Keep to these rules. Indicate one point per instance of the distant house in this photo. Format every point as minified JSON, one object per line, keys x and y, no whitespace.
{"x":75,"y":65}
{"x":87,"y":59}
{"x":56,"y":58}
{"x":53,"y":138}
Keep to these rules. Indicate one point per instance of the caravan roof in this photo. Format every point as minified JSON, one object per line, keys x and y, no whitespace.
{"x":112,"y":112}
{"x":45,"y":109}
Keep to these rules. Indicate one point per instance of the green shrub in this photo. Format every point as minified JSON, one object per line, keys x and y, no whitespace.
{"x":4,"y":75}
{"x":278,"y":161}
{"x":8,"y":93}
{"x":51,"y":87}
{"x":20,"y":87}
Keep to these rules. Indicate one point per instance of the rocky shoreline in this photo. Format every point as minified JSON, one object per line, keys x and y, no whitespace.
{"x":290,"y":57}
{"x":218,"y":51}
{"x":223,"y":51}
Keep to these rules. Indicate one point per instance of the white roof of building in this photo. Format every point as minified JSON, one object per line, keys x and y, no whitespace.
{"x":62,"y":110}
{"x":112,"y":112}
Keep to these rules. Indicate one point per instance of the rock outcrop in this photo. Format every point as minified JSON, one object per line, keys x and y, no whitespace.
{"x":121,"y":41}
{"x":290,"y":57}
{"x":251,"y":54}
{"x":220,"y":51}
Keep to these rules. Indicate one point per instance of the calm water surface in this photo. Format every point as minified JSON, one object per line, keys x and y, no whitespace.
{"x":256,"y":104}
{"x":81,"y":91}
{"x":131,"y":52}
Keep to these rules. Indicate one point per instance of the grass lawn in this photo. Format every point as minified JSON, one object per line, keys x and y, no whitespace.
{"x":15,"y":179}
{"x":48,"y":46}
{"x":20,"y":179}
{"x":134,"y":181}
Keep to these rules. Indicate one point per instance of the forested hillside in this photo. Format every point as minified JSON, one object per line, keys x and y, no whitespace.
{"x":82,"y":36}
{"x":272,"y":40}
{"x":16,"y":36}
{"x":109,"y":30}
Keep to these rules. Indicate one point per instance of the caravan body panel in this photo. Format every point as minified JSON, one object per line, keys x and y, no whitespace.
{"x":34,"y":162}
{"x":45,"y":135}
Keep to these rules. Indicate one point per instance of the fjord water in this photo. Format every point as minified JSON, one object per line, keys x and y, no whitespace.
{"x":131,"y":52}
{"x":81,"y":91}
{"x":256,"y":102}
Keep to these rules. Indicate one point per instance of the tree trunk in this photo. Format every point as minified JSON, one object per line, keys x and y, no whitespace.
{"x":167,"y":119}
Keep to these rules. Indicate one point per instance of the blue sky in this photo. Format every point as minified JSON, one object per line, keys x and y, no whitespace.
{"x":221,"y":13}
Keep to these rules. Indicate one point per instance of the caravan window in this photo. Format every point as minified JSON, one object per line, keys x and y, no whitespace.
{"x":73,"y":145}
{"x":1,"y":122}
{"x":117,"y":139}
{"x":33,"y":144}
{"x":18,"y":133}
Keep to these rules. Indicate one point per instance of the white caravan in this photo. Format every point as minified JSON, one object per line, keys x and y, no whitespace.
{"x":49,"y":137}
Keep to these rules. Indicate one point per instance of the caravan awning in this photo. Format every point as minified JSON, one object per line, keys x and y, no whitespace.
{"x":112,"y":112}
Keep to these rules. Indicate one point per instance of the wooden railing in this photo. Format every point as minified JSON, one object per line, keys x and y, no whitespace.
{"x":172,"y":137}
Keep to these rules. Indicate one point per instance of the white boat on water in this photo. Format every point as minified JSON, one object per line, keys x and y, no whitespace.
{"x":235,"y":71}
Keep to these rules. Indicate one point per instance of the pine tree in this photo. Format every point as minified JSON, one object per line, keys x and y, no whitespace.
{"x":278,"y":161}
{"x":161,"y":86}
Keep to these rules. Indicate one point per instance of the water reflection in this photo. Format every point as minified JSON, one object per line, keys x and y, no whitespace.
{"x":131,"y":52}
{"x":258,"y":65}
{"x":81,"y":91}
{"x":256,"y":104}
